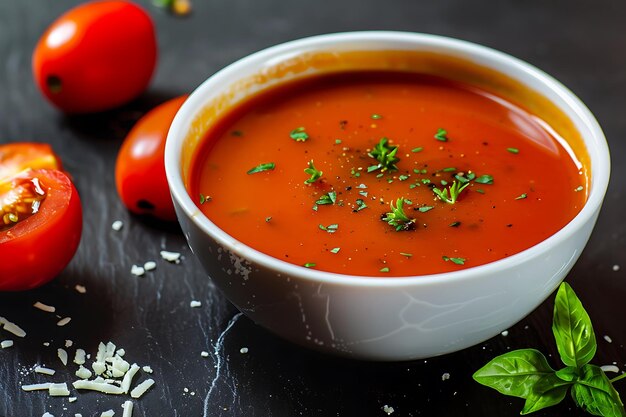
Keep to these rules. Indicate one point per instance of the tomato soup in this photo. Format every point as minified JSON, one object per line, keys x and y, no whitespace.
{"x":385,"y":174}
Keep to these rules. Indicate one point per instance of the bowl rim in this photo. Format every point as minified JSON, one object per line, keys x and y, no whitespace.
{"x":595,"y":143}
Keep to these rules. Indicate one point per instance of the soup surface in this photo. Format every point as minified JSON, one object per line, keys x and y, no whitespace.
{"x":419,"y":175}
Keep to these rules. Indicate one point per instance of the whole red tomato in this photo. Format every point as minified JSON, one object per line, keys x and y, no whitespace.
{"x":40,"y":227}
{"x":140,"y":169}
{"x":96,"y":56}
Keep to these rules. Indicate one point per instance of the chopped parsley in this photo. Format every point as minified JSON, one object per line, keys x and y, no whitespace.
{"x":450,"y":194}
{"x":309,"y":264}
{"x":424,"y":209}
{"x":455,"y":224}
{"x":331,"y":228}
{"x":521,"y":196}
{"x":268,"y":218}
{"x":465,"y":178}
{"x":363,"y":193}
{"x":403,"y":177}
{"x":329,"y":198}
{"x":204,"y":198}
{"x":385,"y":154}
{"x":314,"y":173}
{"x":337,"y":141}
{"x":408,"y":255}
{"x":458,"y":261}
{"x":513,"y":150}
{"x":449,"y":169}
{"x":335,"y":250}
{"x":385,"y":269}
{"x":397,"y":217}
{"x":299,"y":134}
{"x":485,"y":179}
{"x":441,"y":135}
{"x":376,"y":116}
{"x":360,"y":204}
{"x":579,"y":188}
{"x":418,"y":149}
{"x":268,"y":166}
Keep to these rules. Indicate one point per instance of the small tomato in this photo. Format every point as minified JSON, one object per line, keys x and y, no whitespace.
{"x":40,"y":227}
{"x":96,"y":56}
{"x":16,"y":157}
{"x":140,"y":170}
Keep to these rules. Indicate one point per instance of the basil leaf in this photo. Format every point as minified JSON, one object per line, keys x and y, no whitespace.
{"x":567,"y":374}
{"x":594,"y":393}
{"x":548,"y":391}
{"x":514,"y":373}
{"x":573,"y":332}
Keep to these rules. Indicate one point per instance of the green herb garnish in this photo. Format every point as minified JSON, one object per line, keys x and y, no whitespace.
{"x":204,"y":198}
{"x":268,"y":218}
{"x":418,"y":149}
{"x":331,"y":228}
{"x":521,"y":196}
{"x":314,"y":173}
{"x":513,"y":150}
{"x":299,"y":134}
{"x":424,"y":209}
{"x":269,"y":166}
{"x":385,"y":269}
{"x":397,"y":217}
{"x":441,"y":135}
{"x":450,"y":194}
{"x":408,"y":255}
{"x":579,"y":188}
{"x":335,"y":250}
{"x":458,"y":261}
{"x":309,"y":265}
{"x":454,"y":224}
{"x":376,"y":116}
{"x":329,"y":198}
{"x":360,"y":204}
{"x":385,"y":154}
{"x":337,"y":141}
{"x":526,"y":373}
{"x":485,"y":179}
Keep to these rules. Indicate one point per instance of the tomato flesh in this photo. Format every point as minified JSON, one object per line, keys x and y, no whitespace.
{"x":140,"y":170}
{"x":37,"y":245}
{"x":16,"y":157}
{"x":95,"y":57}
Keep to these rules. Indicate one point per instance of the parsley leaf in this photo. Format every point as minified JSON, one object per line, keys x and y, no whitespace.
{"x":397,"y":217}
{"x":314,"y":173}
{"x":299,"y":134}
{"x":269,"y":166}
{"x":450,"y":194}
{"x":441,"y":135}
{"x":385,"y":154}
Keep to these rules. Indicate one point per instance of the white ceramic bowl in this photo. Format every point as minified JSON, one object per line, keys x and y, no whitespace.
{"x":381,"y":318}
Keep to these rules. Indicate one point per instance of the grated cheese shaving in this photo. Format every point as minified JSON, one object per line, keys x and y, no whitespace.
{"x":64,"y":321}
{"x":128,"y":409}
{"x":68,"y":343}
{"x":610,"y":368}
{"x":147,"y":369}
{"x":141,"y":389}
{"x":195,"y":304}
{"x":243,"y":350}
{"x":72,"y":399}
{"x":108,"y":413}
{"x":12,"y":327}
{"x":45,"y":371}
{"x":83,"y":373}
{"x":44,"y":307}
{"x":80,"y":288}
{"x":79,"y":357}
{"x":117,"y":225}
{"x":36,"y":387}
{"x":46,"y":414}
{"x":97,"y":386}
{"x":150,"y":266}
{"x":137,"y":270}
{"x":204,"y":354}
{"x":128,"y":378}
{"x":62,"y":354}
{"x":170,"y":256}
{"x":6,"y":344}
{"x":58,"y":390}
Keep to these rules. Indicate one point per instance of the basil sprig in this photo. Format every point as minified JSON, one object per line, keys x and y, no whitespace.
{"x":525,"y":373}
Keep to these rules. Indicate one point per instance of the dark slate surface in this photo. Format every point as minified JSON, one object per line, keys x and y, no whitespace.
{"x":581,"y":44}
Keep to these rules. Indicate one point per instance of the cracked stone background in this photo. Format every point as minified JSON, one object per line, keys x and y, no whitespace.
{"x":579,"y":42}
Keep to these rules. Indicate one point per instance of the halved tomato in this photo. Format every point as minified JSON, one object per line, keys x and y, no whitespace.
{"x":16,"y":157}
{"x":40,"y":227}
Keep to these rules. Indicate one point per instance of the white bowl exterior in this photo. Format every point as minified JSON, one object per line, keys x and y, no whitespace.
{"x":386,"y":318}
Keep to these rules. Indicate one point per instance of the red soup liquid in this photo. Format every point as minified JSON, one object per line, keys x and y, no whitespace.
{"x":523,"y":183}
